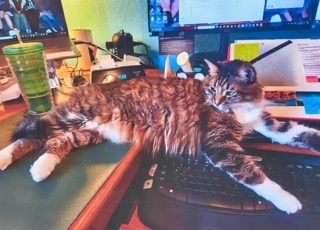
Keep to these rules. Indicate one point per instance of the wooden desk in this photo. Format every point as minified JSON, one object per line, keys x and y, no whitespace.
{"x":100,"y":208}
{"x":82,"y":192}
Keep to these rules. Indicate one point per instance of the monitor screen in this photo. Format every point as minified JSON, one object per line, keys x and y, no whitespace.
{"x":316,"y":23}
{"x":37,"y":20}
{"x":230,"y":15}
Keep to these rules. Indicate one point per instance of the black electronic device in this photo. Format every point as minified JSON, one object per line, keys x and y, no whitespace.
{"x":229,"y":15}
{"x":316,"y":23}
{"x":56,"y":41}
{"x":189,"y":193}
{"x":120,"y":71}
{"x":123,"y":43}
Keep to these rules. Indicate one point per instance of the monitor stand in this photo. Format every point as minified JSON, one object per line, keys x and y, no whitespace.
{"x":224,"y":43}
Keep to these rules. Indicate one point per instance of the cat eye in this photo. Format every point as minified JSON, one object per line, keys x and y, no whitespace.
{"x":230,"y":93}
{"x":213,"y":89}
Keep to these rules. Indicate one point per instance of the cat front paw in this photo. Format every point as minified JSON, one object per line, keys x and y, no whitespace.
{"x":286,"y":202}
{"x":43,"y":166}
{"x":6,"y":157}
{"x":282,"y":199}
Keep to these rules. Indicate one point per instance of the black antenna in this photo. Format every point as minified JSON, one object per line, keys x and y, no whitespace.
{"x":275,"y":49}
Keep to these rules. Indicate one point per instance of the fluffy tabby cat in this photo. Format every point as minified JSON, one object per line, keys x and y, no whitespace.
{"x":173,"y":115}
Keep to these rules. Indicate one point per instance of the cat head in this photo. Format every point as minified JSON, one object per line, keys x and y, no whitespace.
{"x":231,"y":83}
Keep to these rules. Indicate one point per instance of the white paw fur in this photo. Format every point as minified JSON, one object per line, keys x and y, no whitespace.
{"x":282,"y":199}
{"x":43,"y":166}
{"x":6,"y":157}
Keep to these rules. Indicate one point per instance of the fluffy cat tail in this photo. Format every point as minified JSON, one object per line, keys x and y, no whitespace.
{"x":31,"y":127}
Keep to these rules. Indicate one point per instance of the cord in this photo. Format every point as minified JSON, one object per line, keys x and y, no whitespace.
{"x":76,"y":76}
{"x":77,"y":42}
{"x":150,"y":64}
{"x":78,"y":79}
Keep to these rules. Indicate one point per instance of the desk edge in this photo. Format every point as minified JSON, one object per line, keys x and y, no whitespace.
{"x":100,"y":208}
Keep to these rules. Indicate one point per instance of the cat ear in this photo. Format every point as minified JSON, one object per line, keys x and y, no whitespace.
{"x":248,"y":74}
{"x":213,"y":69}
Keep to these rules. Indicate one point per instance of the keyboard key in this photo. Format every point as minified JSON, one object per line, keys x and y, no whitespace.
{"x":171,"y":192}
{"x":161,"y":189}
{"x":270,"y":206}
{"x":260,"y":204}
{"x":153,"y":169}
{"x":247,"y":204}
{"x":181,"y":195}
{"x":214,"y":200}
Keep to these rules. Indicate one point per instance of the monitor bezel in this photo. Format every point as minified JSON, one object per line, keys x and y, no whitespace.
{"x":224,"y":28}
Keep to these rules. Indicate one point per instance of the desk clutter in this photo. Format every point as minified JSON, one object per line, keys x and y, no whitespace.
{"x":294,"y":96}
{"x":289,"y":71}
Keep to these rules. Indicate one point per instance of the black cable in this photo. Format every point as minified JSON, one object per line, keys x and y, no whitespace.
{"x":150,"y":64}
{"x":77,"y":78}
{"x":77,"y":42}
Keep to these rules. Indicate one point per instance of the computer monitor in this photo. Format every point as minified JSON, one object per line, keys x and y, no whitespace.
{"x":40,"y":21}
{"x":230,"y":15}
{"x":316,"y":23}
{"x":43,"y":19}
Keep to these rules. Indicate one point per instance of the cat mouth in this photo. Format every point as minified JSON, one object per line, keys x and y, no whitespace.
{"x":223,"y":109}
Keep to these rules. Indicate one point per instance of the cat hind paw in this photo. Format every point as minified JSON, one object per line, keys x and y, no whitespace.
{"x":5,"y":157}
{"x":43,"y":166}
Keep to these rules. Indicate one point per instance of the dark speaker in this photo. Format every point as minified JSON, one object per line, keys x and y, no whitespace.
{"x":123,"y":43}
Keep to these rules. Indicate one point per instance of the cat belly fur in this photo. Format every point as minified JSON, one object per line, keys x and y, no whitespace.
{"x":112,"y":131}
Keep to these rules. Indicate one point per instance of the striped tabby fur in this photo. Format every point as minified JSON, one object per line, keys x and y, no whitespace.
{"x":174,"y":116}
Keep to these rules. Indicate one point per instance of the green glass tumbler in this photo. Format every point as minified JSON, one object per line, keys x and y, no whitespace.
{"x":28,"y":64}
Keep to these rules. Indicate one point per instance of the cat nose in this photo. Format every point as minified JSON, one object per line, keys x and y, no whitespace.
{"x":219,"y":100}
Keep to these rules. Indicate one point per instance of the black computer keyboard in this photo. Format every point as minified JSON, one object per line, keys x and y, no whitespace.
{"x":189,"y":193}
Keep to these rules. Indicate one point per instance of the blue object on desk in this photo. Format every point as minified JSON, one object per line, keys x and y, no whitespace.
{"x":311,"y":105}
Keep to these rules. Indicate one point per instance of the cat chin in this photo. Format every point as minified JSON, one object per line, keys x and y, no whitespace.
{"x":221,"y":108}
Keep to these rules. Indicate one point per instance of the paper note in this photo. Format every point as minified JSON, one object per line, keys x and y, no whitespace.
{"x":309,"y":50}
{"x":246,"y":52}
{"x":310,"y":55}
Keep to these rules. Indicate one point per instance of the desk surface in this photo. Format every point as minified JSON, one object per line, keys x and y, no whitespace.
{"x":82,"y":193}
{"x":56,"y":202}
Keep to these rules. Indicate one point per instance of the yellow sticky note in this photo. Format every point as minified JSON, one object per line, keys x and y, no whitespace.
{"x":246,"y":52}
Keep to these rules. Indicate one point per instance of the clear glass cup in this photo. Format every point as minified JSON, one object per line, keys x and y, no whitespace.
{"x":28,"y":64}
